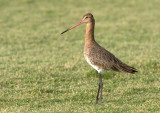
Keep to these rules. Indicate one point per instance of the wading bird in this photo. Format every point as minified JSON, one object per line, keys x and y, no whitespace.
{"x":98,"y":57}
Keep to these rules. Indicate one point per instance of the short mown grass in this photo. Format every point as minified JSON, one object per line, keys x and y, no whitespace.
{"x":41,"y":71}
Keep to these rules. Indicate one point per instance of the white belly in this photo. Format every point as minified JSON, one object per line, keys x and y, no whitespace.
{"x":95,"y":67}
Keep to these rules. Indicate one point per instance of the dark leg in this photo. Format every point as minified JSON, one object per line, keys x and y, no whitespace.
{"x":100,"y":87}
{"x":97,"y":94}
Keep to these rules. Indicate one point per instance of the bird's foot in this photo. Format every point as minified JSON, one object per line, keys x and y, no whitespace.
{"x":96,"y":101}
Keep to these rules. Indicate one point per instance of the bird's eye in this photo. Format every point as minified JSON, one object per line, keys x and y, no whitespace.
{"x":86,"y":16}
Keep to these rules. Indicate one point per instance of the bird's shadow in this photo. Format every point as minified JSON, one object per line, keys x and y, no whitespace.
{"x":107,"y":75}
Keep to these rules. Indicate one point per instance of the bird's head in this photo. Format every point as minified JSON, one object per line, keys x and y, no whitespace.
{"x":87,"y":18}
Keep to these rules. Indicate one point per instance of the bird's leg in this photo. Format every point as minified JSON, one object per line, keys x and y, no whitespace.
{"x":97,"y":94}
{"x":101,"y":87}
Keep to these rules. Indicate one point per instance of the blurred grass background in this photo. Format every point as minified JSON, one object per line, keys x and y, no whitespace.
{"x":41,"y":71}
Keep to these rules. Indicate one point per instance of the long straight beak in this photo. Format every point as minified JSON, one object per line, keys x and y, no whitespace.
{"x":79,"y":23}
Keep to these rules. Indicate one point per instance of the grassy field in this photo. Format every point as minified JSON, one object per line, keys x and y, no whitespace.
{"x":41,"y":71}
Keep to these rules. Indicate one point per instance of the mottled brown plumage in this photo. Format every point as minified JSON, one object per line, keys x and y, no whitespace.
{"x":99,"y":58}
{"x":104,"y":59}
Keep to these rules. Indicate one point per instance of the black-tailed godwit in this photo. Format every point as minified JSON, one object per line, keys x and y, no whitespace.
{"x":98,"y":57}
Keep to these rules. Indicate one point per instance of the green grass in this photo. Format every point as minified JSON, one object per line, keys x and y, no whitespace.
{"x":41,"y":71}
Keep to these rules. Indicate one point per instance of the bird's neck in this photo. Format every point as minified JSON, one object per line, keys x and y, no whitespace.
{"x":89,"y":38}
